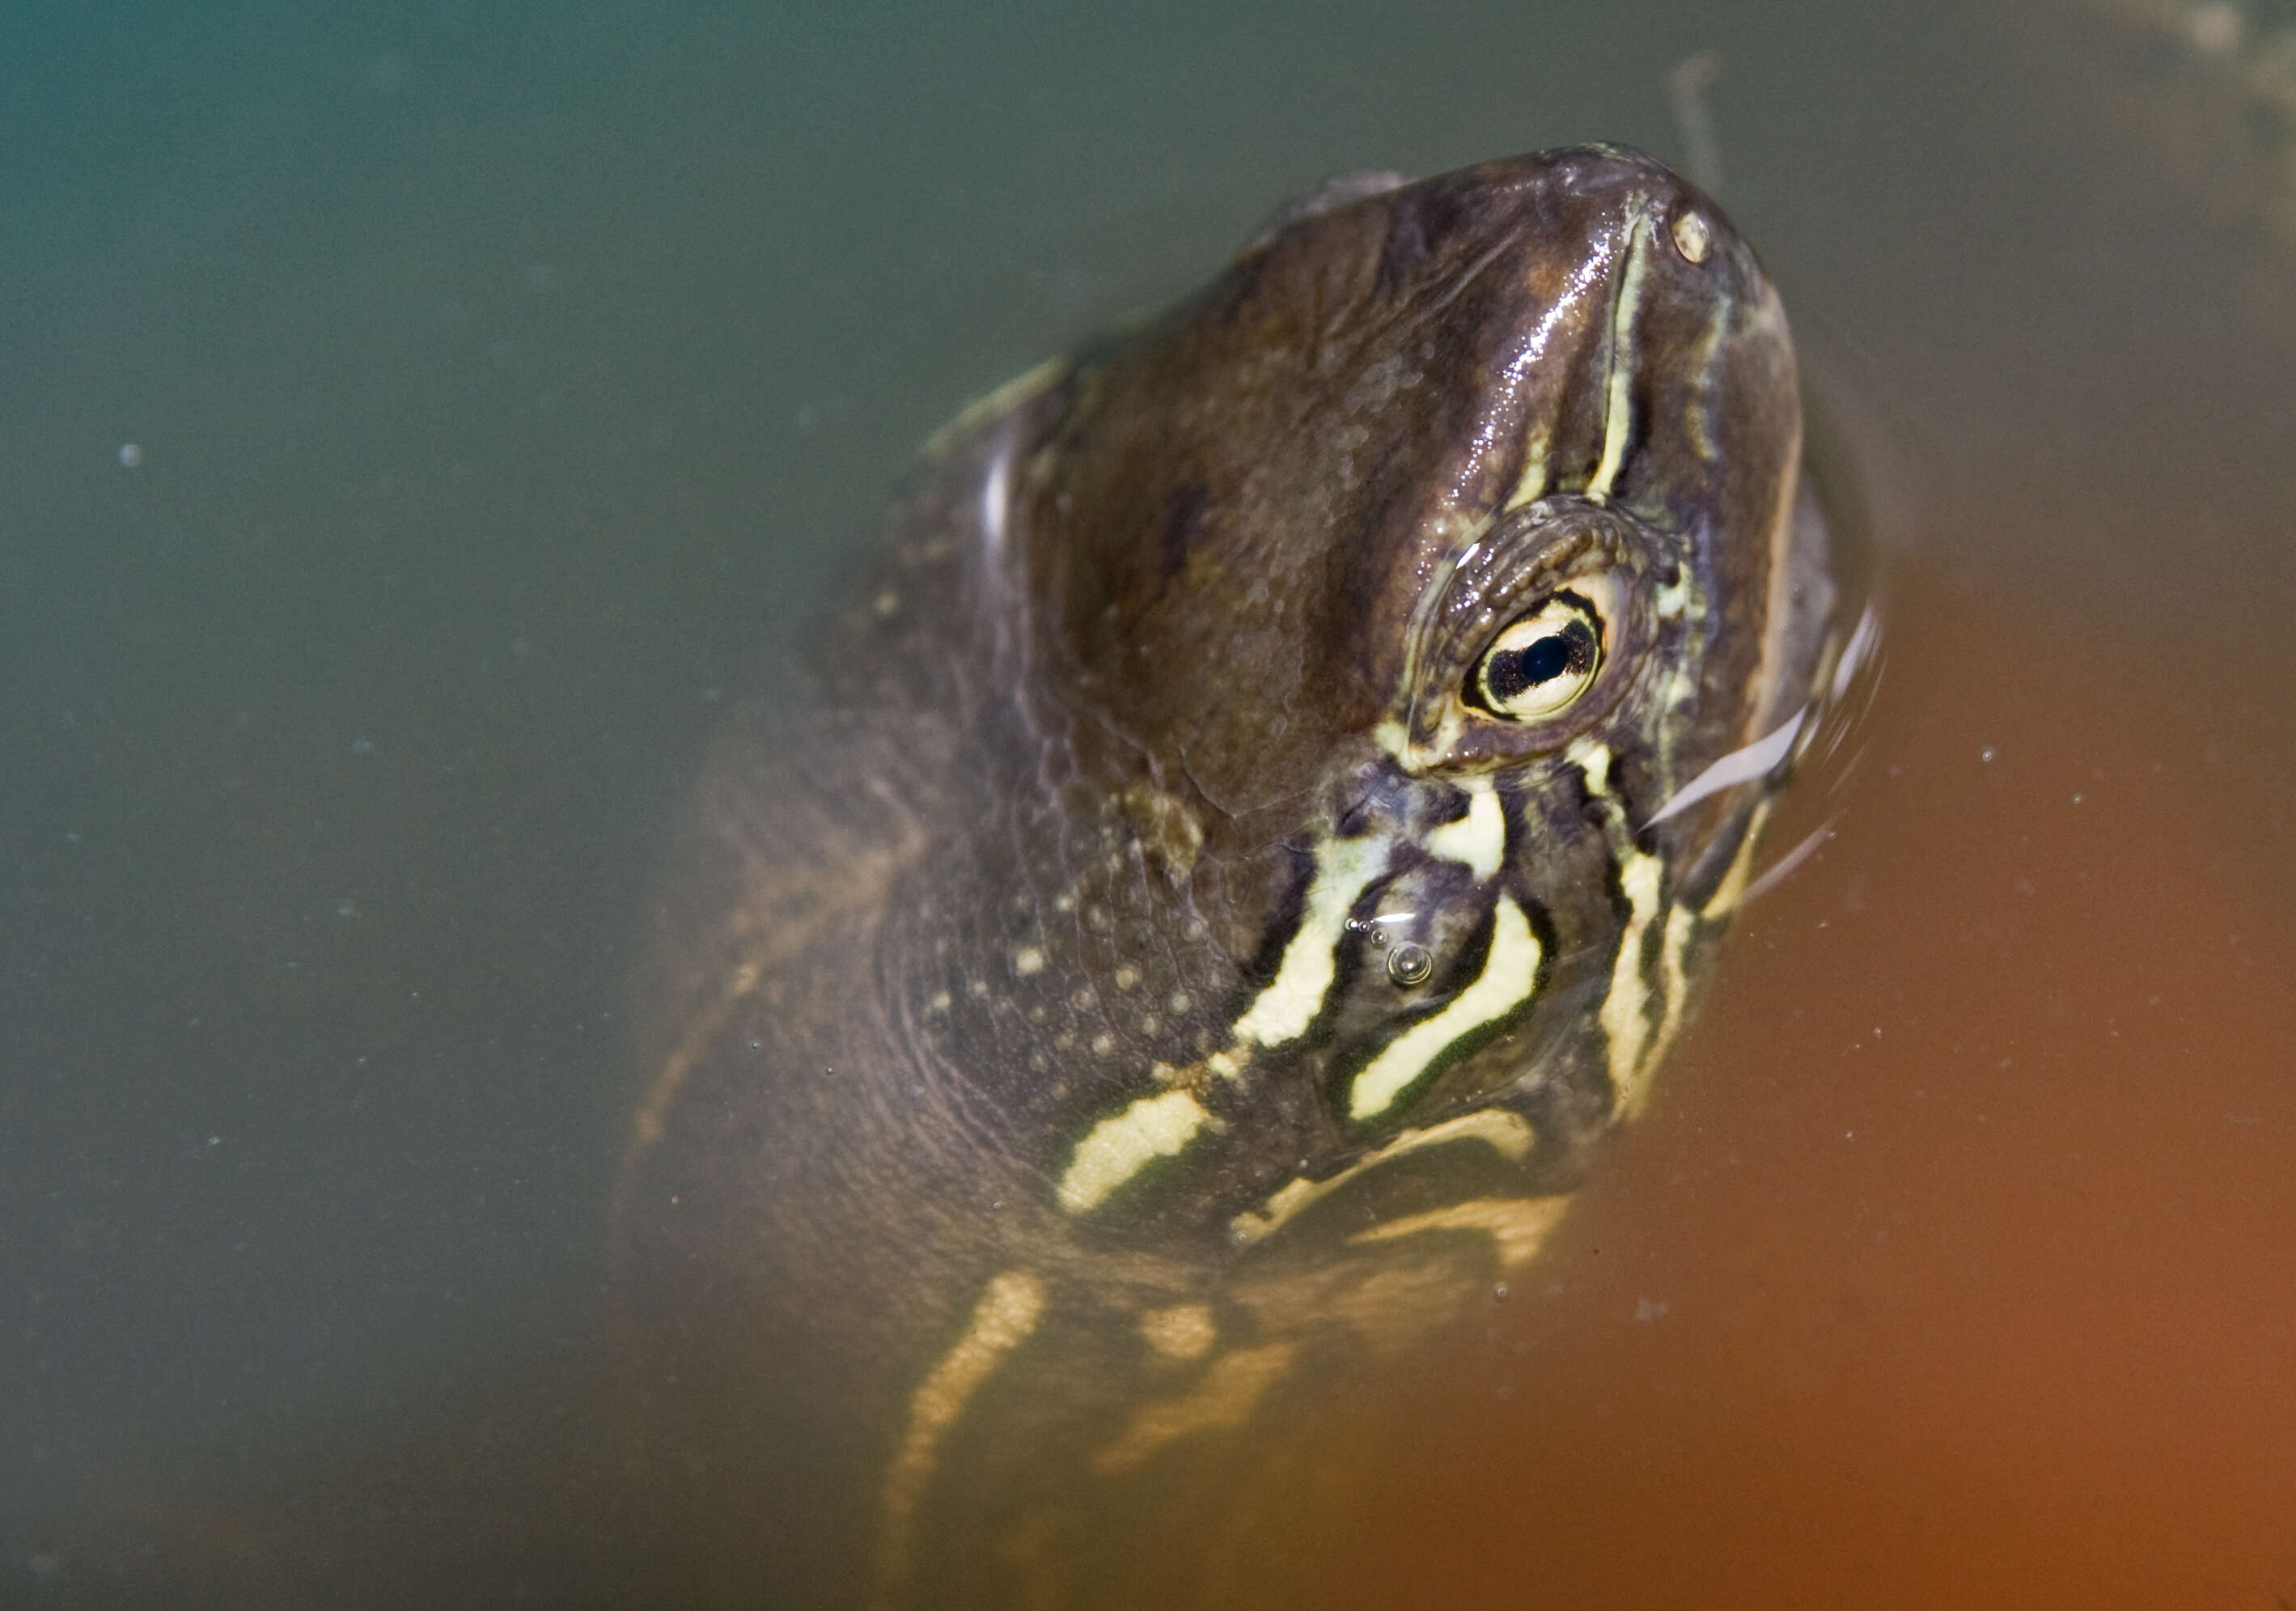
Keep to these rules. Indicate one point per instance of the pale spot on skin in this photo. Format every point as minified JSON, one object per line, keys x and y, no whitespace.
{"x":1002,"y":1321}
{"x":1028,"y":961}
{"x":1516,"y":1226}
{"x":1626,"y":1009}
{"x":1184,"y":1331}
{"x":1506,"y":1132}
{"x":1285,"y":1009}
{"x":1120,"y":1147}
{"x":1102,"y":1045}
{"x":1478,"y":838}
{"x":1692,"y":238}
{"x":1625,"y":1012}
{"x":1532,"y":485}
{"x":1127,"y":976}
{"x":1617,"y":414}
{"x":1509,"y":977}
{"x":1231,"y":1389}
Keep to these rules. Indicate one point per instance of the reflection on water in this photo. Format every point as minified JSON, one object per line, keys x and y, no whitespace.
{"x":1953,"y":1268}
{"x":498,"y":379}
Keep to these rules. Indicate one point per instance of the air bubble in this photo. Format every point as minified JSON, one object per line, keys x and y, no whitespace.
{"x":1410,"y":964}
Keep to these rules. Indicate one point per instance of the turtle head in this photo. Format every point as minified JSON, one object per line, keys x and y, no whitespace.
{"x":1442,"y":570}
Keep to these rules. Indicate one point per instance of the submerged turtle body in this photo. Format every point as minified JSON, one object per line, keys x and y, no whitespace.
{"x":1182,"y":927}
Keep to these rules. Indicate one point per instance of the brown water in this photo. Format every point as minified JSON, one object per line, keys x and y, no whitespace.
{"x":501,"y":379}
{"x":1955,"y":1266}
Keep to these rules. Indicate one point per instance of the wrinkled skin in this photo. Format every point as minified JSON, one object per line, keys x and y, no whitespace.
{"x":1123,"y":976}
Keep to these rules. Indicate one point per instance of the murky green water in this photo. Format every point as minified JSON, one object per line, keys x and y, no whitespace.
{"x":413,"y":420}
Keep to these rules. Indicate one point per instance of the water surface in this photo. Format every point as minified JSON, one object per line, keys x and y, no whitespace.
{"x":415,"y":420}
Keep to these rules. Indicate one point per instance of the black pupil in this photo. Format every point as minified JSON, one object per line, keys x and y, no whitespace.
{"x":1568,"y":651}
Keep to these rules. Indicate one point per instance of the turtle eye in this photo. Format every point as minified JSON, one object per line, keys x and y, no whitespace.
{"x":1541,"y":661}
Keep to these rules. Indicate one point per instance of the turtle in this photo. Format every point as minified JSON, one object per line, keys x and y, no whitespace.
{"x":1182,"y":927}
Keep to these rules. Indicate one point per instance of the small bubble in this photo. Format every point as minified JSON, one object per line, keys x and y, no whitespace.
{"x":131,"y":454}
{"x":1988,"y":754}
{"x":1409,"y":964}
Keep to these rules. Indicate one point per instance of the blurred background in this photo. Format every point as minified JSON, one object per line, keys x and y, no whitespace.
{"x":416,"y":419}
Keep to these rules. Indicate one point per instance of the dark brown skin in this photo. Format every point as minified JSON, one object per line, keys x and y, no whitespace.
{"x":1044,"y":1099}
